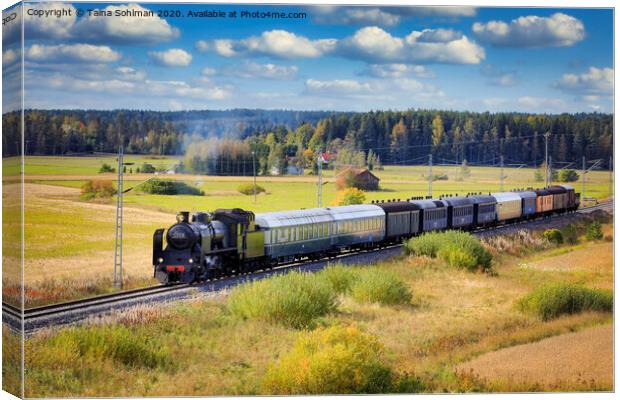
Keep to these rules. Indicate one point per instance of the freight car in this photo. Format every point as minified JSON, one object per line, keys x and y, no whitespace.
{"x":229,"y":241}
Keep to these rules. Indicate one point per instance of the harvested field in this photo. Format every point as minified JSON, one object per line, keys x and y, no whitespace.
{"x":578,"y":359}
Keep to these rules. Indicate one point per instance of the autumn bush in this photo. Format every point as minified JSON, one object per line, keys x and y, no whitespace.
{"x":335,"y":360}
{"x":349,"y":196}
{"x":97,"y":189}
{"x":553,"y":236}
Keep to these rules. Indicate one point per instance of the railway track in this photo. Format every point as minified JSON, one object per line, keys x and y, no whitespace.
{"x":67,"y":312}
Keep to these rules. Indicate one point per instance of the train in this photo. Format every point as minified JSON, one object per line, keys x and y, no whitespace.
{"x":211,"y":245}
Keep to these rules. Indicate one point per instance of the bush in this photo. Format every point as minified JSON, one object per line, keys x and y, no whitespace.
{"x":147,"y":168}
{"x":349,"y":196}
{"x":294,"y":299}
{"x":248,"y":189}
{"x":159,"y":186}
{"x":553,"y":300}
{"x":458,"y":249}
{"x":594,"y":231}
{"x":570,"y":234}
{"x":336,"y":360}
{"x":106,"y":168}
{"x":338,"y":277}
{"x":97,"y":189}
{"x":374,"y":285}
{"x":553,"y":236}
{"x":115,"y":342}
{"x":568,"y":175}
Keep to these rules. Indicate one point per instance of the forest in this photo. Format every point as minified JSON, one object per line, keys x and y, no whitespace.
{"x":233,"y":141}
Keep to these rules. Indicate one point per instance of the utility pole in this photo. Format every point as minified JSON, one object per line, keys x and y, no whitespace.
{"x":550,"y":169}
{"x":583,"y":177}
{"x":547,"y":134}
{"x":430,"y":175}
{"x":319,"y":189}
{"x":254,"y":173}
{"x":501,"y":173}
{"x":118,"y":242}
{"x":611,"y":176}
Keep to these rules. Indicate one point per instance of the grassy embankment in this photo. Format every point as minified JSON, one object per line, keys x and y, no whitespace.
{"x":443,"y":317}
{"x":70,"y":243}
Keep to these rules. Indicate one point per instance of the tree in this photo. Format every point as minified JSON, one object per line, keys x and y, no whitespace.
{"x":398,"y":144}
{"x":349,"y":196}
{"x":438,"y":131}
{"x":106,"y":168}
{"x":568,"y":175}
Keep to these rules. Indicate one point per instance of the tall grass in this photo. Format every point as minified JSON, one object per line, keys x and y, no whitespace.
{"x":458,"y":249}
{"x":374,"y":285}
{"x":339,"y":277}
{"x":516,"y":244}
{"x":336,"y":360}
{"x":294,"y":299}
{"x":552,"y":301}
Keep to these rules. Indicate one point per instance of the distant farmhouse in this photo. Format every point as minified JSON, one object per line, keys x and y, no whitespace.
{"x":360,"y":178}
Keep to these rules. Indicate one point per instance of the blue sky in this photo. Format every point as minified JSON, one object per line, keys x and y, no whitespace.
{"x":545,"y":60}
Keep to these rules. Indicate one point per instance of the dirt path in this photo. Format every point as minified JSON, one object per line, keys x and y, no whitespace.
{"x":576,"y":359}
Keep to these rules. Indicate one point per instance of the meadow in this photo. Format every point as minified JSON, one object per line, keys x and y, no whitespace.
{"x":70,"y":242}
{"x":444,"y":332}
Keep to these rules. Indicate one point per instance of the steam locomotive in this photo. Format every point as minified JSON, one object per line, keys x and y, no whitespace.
{"x":230,"y":241}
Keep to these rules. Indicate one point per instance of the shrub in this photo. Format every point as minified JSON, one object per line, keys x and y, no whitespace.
{"x":553,"y":236}
{"x":248,"y":189}
{"x":338,"y":277}
{"x":115,"y":342}
{"x":105,"y":168}
{"x":568,"y":175}
{"x":97,"y":189}
{"x":553,"y":300}
{"x":336,"y":360}
{"x":147,"y":168}
{"x":349,"y":196}
{"x":168,"y":187}
{"x":294,"y":299}
{"x":458,"y":249}
{"x":594,"y":231}
{"x":570,"y":234}
{"x":374,"y":285}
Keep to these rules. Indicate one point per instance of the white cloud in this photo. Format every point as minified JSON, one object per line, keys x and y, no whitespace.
{"x":532,"y":31}
{"x":10,"y":56}
{"x":382,"y":16}
{"x":596,"y":81}
{"x":74,"y":53}
{"x":337,"y":87}
{"x":374,"y":45}
{"x":397,"y":71}
{"x":130,"y":29}
{"x":171,"y":57}
{"x":128,"y":73}
{"x":207,"y":71}
{"x":263,"y":71}
{"x":541,"y":104}
{"x":202,"y":45}
{"x":276,"y":43}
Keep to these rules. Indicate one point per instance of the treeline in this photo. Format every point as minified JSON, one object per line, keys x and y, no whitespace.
{"x":280,"y":139}
{"x":58,"y":132}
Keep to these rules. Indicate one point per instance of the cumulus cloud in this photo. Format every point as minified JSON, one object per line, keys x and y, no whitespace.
{"x":10,"y":57}
{"x":594,"y":82}
{"x":397,"y":71}
{"x":276,"y":43}
{"x":202,"y":45}
{"x":532,"y":31}
{"x":130,"y":29}
{"x":255,"y":70}
{"x":171,"y":58}
{"x":131,"y":74}
{"x":382,"y":16}
{"x":374,"y":45}
{"x":541,"y":104}
{"x":74,"y":53}
{"x":50,"y":27}
{"x":338,"y":87}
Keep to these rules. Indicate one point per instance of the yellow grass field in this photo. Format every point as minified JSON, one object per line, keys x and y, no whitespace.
{"x":582,"y":359}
